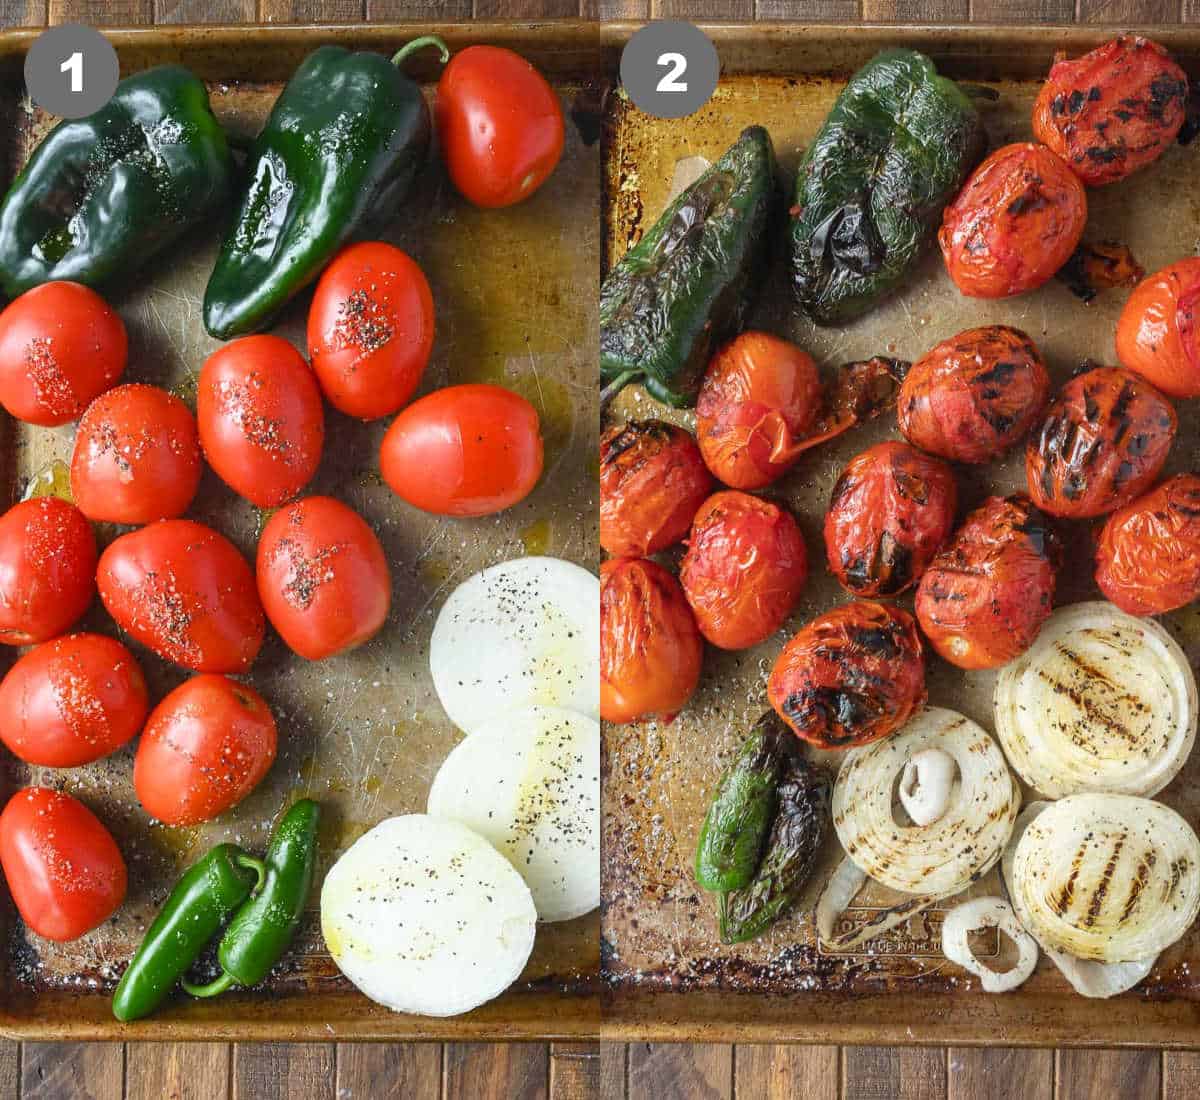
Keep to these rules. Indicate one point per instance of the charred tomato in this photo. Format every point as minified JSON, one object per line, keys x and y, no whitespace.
{"x":1158,"y":335}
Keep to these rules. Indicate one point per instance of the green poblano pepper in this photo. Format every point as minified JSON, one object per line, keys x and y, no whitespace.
{"x":685,"y":286}
{"x":100,"y":195}
{"x":895,"y":148}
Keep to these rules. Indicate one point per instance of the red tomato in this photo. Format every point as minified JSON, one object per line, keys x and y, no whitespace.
{"x":323,"y":577}
{"x":744,"y":570}
{"x":185,"y":592}
{"x":261,"y":422}
{"x":63,"y":868}
{"x":72,"y":701}
{"x":464,"y":451}
{"x":47,"y":569}
{"x":60,"y":346}
{"x":650,"y":647}
{"x":370,"y":330}
{"x":652,"y":480}
{"x":205,"y":747}
{"x":499,"y":124}
{"x":1158,"y":334}
{"x":137,"y":457}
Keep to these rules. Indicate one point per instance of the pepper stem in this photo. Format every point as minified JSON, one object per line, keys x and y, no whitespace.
{"x":243,"y":859}
{"x":615,"y":387}
{"x":212,"y":989}
{"x":419,"y":44}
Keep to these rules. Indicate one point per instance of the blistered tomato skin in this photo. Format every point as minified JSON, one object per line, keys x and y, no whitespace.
{"x":1112,"y":111}
{"x":984,"y":598}
{"x":1014,"y":224}
{"x":975,"y":396}
{"x":1103,"y":441}
{"x":650,"y":647}
{"x":1148,"y":553}
{"x":890,"y":511}
{"x":851,"y":676}
{"x":1157,"y":333}
{"x":744,"y":569}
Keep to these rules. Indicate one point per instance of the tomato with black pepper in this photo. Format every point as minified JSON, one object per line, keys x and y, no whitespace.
{"x":1157,"y":333}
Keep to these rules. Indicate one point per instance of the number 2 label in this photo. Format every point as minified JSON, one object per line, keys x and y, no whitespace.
{"x":676,"y":64}
{"x":74,"y":66}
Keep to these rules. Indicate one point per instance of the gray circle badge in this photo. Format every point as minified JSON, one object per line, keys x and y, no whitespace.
{"x":71,"y":71}
{"x":670,"y":69}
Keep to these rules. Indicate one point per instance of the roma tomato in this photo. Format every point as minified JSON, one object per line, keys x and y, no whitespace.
{"x":652,"y":480}
{"x":650,"y":648}
{"x":323,"y":577}
{"x":744,"y":569}
{"x":47,"y":569}
{"x":71,"y":701}
{"x":891,"y":510}
{"x":464,"y":451}
{"x":61,"y":345}
{"x":974,"y":396}
{"x":64,"y":870}
{"x":205,"y":747}
{"x":1014,"y":224}
{"x":499,"y":124}
{"x":984,"y":598}
{"x":1158,"y":334}
{"x":370,"y":330}
{"x":137,"y":457}
{"x":184,"y":591}
{"x":1148,"y":553}
{"x":851,"y":676}
{"x":261,"y":423}
{"x":1103,"y":442}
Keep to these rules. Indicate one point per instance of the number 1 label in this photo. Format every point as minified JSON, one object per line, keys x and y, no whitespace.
{"x":74,"y":66}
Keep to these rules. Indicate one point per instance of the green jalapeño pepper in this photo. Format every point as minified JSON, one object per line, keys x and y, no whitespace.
{"x":895,"y":148}
{"x":265,"y":926}
{"x":339,"y":153}
{"x":102,"y":194}
{"x":685,"y":286}
{"x":203,"y":900}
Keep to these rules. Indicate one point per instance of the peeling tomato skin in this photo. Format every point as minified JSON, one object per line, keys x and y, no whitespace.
{"x":890,"y":511}
{"x":652,"y":480}
{"x":1113,"y":110}
{"x":650,"y":647}
{"x":1148,"y":553}
{"x":744,"y":570}
{"x":975,"y":396}
{"x":851,"y":676}
{"x":1014,"y":224}
{"x":984,"y":598}
{"x":1158,"y":333}
{"x":1103,"y":442}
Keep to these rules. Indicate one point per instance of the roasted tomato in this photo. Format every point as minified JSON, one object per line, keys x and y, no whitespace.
{"x":1103,"y":442}
{"x":984,"y":598}
{"x":650,"y":646}
{"x":652,"y":480}
{"x":975,"y":395}
{"x":1112,"y":111}
{"x":47,"y":569}
{"x":1158,"y":335}
{"x":1014,"y":224}
{"x":891,"y":510}
{"x":744,"y":569}
{"x":851,"y":676}
{"x":71,"y":701}
{"x":1148,"y":554}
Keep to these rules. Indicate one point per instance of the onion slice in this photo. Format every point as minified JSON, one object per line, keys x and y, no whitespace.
{"x":1102,"y":701}
{"x":978,"y":913}
{"x":838,"y":894}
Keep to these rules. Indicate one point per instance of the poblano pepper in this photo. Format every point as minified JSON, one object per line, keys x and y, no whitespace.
{"x":100,"y":195}
{"x":685,"y":286}
{"x":338,"y":154}
{"x":895,"y":148}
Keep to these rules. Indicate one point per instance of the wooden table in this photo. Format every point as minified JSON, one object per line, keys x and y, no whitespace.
{"x":640,"y":1071}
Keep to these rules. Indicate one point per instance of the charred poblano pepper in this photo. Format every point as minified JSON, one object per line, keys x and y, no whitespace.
{"x":894,"y":150}
{"x":685,"y":286}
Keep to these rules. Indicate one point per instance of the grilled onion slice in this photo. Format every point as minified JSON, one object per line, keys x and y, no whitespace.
{"x":964,"y":919}
{"x":1101,"y":701}
{"x":947,"y":855}
{"x":1109,"y":877}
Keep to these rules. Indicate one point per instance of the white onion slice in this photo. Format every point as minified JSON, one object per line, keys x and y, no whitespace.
{"x":979,"y":913}
{"x":836,"y":897}
{"x":1102,"y":701}
{"x":926,"y":785}
{"x":942,"y":858}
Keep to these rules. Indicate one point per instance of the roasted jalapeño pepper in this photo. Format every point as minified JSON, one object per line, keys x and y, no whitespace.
{"x":102,"y":194}
{"x":338,"y":153}
{"x":686,"y":285}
